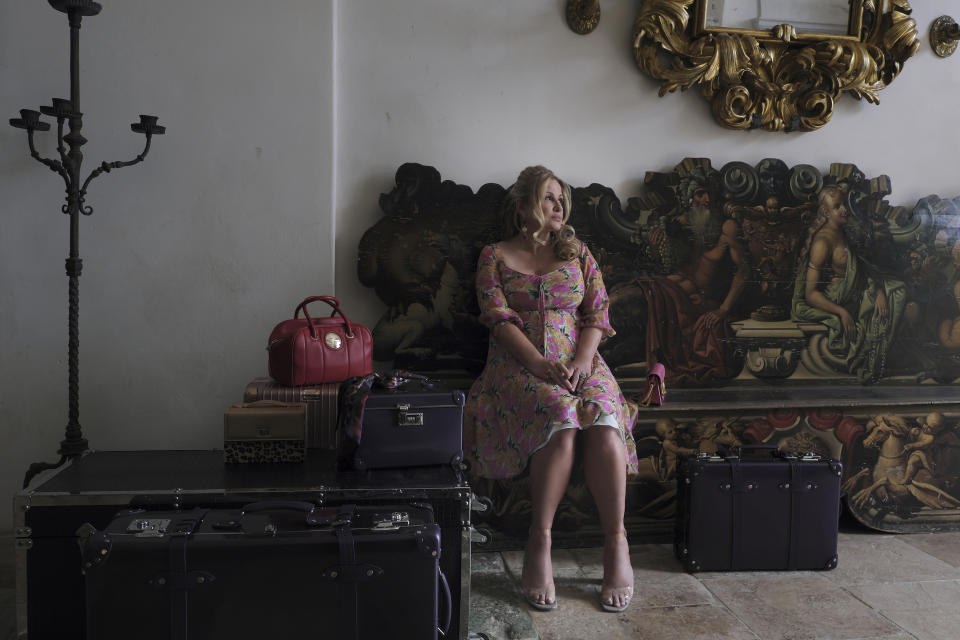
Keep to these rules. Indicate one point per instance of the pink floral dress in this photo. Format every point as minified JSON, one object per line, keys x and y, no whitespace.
{"x":511,"y":413}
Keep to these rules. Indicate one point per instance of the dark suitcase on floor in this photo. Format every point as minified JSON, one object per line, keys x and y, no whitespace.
{"x":321,"y":400}
{"x":272,"y":570}
{"x":757,"y":508}
{"x":412,"y":426}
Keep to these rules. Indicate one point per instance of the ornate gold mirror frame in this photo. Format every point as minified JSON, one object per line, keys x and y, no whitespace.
{"x":779,"y":80}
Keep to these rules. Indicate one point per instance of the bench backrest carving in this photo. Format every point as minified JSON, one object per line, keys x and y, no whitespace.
{"x":707,"y":266}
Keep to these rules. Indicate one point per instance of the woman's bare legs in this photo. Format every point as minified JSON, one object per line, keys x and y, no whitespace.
{"x":549,"y":474}
{"x":605,"y":468}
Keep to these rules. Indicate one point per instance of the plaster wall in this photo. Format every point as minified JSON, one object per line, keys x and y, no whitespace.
{"x":192,"y":256}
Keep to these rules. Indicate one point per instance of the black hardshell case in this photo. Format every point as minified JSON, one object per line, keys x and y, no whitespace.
{"x":273,"y":570}
{"x":404,"y":428}
{"x":774,"y":511}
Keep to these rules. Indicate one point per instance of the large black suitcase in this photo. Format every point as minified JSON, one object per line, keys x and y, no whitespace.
{"x":95,"y":486}
{"x":271,"y":570}
{"x":757,"y":508}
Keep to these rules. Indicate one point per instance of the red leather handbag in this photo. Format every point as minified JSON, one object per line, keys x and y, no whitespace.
{"x":319,"y":350}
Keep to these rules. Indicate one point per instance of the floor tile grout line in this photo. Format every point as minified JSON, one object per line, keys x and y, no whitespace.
{"x":730,"y":611}
{"x":894,"y":582}
{"x":879,"y":612}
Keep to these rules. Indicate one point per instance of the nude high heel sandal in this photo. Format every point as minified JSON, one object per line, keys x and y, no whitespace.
{"x":540,"y":598}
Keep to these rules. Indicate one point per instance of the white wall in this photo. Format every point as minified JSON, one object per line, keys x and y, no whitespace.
{"x":191,"y":257}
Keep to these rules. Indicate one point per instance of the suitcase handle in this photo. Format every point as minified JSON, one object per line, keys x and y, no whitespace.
{"x":447,"y":603}
{"x":744,"y":450}
{"x":315,"y":516}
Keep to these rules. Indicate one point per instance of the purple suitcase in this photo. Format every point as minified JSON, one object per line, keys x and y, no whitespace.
{"x":272,"y":570}
{"x":757,"y":508}
{"x":415,"y":425}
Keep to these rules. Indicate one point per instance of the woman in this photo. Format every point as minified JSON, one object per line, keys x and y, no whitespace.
{"x":542,"y":297}
{"x":861,"y":311}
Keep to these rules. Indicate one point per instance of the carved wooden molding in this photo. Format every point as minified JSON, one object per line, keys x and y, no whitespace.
{"x":773,"y":80}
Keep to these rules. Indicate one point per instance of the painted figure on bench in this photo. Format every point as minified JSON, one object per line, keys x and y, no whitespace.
{"x":860,"y":309}
{"x":906,"y":473}
{"x":681,"y":319}
{"x":542,"y":296}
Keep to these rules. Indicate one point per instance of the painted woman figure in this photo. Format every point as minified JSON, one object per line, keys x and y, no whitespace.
{"x":542,"y":296}
{"x":861,"y":310}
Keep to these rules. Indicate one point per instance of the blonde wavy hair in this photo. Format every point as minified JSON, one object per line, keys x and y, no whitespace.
{"x":823,"y":213}
{"x":524,"y":198}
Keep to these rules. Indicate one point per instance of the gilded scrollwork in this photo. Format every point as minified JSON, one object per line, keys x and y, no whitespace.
{"x":774,"y":80}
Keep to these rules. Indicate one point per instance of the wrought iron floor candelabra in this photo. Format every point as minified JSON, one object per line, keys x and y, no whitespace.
{"x":68,"y":167}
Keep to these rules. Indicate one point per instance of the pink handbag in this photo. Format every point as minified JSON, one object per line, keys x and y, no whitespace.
{"x":319,"y":350}
{"x":656,"y":391}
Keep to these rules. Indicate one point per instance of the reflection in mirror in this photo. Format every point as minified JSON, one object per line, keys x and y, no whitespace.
{"x":809,"y":16}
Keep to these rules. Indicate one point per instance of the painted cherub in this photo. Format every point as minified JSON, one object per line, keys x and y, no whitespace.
{"x":667,"y":430}
{"x":922,"y":438}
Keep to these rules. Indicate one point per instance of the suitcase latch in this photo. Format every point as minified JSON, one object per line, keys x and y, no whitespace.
{"x":148,"y":527}
{"x":407,"y":418}
{"x":390,"y":521}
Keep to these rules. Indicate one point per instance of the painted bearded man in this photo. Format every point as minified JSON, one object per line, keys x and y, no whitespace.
{"x":681,"y":319}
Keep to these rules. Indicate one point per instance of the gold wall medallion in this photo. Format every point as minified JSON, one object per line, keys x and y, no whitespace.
{"x":944,"y":33}
{"x":583,"y":15}
{"x":778,"y":78}
{"x":333,"y":341}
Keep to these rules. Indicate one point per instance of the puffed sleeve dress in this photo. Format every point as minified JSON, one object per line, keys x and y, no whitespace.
{"x":511,"y":413}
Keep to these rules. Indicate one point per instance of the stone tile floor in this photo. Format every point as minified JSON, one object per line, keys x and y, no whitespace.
{"x":886,"y":587}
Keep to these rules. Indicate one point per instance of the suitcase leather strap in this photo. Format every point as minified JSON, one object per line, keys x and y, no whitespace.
{"x":348,"y":562}
{"x":736,"y":507}
{"x":739,"y":488}
{"x":796,"y":488}
{"x":179,"y":585}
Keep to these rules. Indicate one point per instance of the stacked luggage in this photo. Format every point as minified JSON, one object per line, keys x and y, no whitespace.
{"x":318,"y":562}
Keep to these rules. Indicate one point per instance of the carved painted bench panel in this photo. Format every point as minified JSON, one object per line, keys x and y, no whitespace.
{"x":697,"y":242}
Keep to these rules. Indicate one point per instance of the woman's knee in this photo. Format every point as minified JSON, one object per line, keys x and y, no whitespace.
{"x":564,"y":441}
{"x":561,"y":444}
{"x":603,"y":440}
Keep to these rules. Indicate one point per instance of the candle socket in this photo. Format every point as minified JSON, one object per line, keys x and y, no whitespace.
{"x":29,"y":120}
{"x":149,"y":126}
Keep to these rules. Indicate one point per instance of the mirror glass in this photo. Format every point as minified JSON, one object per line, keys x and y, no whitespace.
{"x":808,"y":16}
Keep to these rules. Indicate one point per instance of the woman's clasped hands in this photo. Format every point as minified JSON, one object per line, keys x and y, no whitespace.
{"x":569,"y":377}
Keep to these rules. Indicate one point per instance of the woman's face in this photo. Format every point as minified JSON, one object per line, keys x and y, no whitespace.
{"x":552,"y":206}
{"x":836,"y":209}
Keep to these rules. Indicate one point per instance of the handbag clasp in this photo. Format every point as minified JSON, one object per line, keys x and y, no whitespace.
{"x":332,"y":340}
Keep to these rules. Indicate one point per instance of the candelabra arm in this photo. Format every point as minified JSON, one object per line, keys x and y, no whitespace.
{"x":62,"y":150}
{"x":107,"y":167}
{"x":54,"y":165}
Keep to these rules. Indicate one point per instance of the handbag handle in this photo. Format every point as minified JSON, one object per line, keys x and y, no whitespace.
{"x":330,"y":300}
